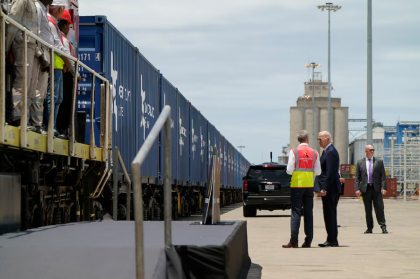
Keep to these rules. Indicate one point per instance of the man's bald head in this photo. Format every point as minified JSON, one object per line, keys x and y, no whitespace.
{"x":369,"y":150}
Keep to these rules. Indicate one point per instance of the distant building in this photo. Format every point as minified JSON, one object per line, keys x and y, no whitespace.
{"x":301,"y":117}
{"x":357,"y":146}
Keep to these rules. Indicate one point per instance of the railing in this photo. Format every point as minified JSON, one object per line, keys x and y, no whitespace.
{"x":105,"y":103}
{"x":164,"y":121}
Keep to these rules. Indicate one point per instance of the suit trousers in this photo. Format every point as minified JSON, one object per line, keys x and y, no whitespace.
{"x":329,"y":206}
{"x":378,"y":204}
{"x":302,"y":197}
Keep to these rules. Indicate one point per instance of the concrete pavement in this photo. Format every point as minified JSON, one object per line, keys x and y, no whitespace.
{"x":393,"y":255}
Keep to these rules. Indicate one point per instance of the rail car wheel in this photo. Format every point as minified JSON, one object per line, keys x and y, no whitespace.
{"x":154,"y":210}
{"x":185,"y":211}
{"x":122,"y":212}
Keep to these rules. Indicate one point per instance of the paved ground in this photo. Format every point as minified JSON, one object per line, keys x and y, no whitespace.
{"x":395,"y":255}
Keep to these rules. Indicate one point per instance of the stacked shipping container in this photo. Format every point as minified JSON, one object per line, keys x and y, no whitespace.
{"x":139,"y":94}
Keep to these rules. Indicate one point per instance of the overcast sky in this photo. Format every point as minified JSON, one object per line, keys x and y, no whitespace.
{"x":241,"y":62}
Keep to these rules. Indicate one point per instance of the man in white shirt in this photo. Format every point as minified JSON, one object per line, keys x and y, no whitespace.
{"x":303,"y":164}
{"x":23,"y":12}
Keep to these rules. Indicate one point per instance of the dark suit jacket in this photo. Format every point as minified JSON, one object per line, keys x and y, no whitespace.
{"x":378,"y":175}
{"x":329,"y":179}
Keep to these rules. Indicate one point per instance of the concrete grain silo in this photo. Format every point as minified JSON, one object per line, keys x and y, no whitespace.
{"x":341,"y":135}
{"x":302,"y":113}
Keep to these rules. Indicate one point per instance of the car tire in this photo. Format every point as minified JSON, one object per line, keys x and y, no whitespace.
{"x":249,"y":211}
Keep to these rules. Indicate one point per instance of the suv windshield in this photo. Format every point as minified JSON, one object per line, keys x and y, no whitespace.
{"x":268,"y":173}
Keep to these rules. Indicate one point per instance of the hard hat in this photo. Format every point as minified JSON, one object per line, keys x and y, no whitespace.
{"x":59,"y":3}
{"x":66,"y":16}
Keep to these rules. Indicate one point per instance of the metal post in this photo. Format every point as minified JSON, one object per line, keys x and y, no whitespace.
{"x":24,"y":115}
{"x":304,"y":114}
{"x":50,"y":136}
{"x":313,"y":106}
{"x":72,"y":139}
{"x":2,"y":77}
{"x":106,"y":139}
{"x":329,"y":74}
{"x":405,"y":165}
{"x":92,"y":118}
{"x":392,"y":157}
{"x":167,"y":183}
{"x":369,"y":74}
{"x":138,"y":217}
{"x":161,"y":123}
{"x":115,"y":185}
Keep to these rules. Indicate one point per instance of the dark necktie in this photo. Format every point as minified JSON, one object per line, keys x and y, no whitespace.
{"x":370,"y":170}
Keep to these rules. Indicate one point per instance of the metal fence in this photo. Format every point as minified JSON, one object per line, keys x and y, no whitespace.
{"x":402,"y":161}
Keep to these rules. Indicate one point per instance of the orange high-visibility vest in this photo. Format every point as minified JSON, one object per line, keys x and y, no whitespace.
{"x":303,"y":175}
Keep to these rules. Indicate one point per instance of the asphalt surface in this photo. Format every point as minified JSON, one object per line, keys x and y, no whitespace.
{"x":377,"y":255}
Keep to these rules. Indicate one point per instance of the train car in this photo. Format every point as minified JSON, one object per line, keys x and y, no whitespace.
{"x":135,"y":90}
{"x":47,"y":180}
{"x":198,"y":148}
{"x":63,"y":181}
{"x":183,"y":110}
{"x":222,"y":161}
{"x":169,"y":96}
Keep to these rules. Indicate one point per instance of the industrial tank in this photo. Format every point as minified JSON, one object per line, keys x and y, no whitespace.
{"x":340,"y":137}
{"x":296,"y":124}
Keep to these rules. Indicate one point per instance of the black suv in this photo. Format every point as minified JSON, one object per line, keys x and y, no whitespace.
{"x":266,"y":186}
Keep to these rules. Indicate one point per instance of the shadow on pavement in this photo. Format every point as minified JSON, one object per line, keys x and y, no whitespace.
{"x":199,"y":215}
{"x":271,"y":216}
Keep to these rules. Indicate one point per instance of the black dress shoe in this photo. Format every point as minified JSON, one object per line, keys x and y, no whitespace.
{"x":384,"y":230}
{"x":329,"y":244}
{"x":306,"y":245}
{"x":368,"y":231}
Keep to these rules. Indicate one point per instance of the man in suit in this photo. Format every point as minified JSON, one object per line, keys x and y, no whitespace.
{"x":330,"y":187}
{"x":370,"y":182}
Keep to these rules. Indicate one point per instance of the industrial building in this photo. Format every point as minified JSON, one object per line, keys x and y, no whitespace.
{"x":399,"y":147}
{"x":357,"y":146}
{"x":301,"y":117}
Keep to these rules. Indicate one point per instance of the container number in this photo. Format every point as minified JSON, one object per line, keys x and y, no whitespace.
{"x":84,"y":56}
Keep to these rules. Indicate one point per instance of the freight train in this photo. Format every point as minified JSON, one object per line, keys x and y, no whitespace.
{"x":45,"y":181}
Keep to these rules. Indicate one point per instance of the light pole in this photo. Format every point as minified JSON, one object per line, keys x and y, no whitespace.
{"x":369,"y":74}
{"x":329,"y":7}
{"x":240,"y":147}
{"x":313,"y":65}
{"x":304,"y":97}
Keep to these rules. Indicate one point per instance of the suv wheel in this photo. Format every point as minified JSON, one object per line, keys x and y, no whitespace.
{"x":249,"y":211}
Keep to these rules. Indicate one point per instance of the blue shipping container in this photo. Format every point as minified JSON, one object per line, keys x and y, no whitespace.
{"x":213,"y":141}
{"x":135,"y":84}
{"x":198,"y":150}
{"x":183,"y":140}
{"x":169,"y":96}
{"x":230,"y":164}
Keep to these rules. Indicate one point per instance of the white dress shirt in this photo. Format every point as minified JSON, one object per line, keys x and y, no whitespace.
{"x":291,"y":162}
{"x":327,"y":146}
